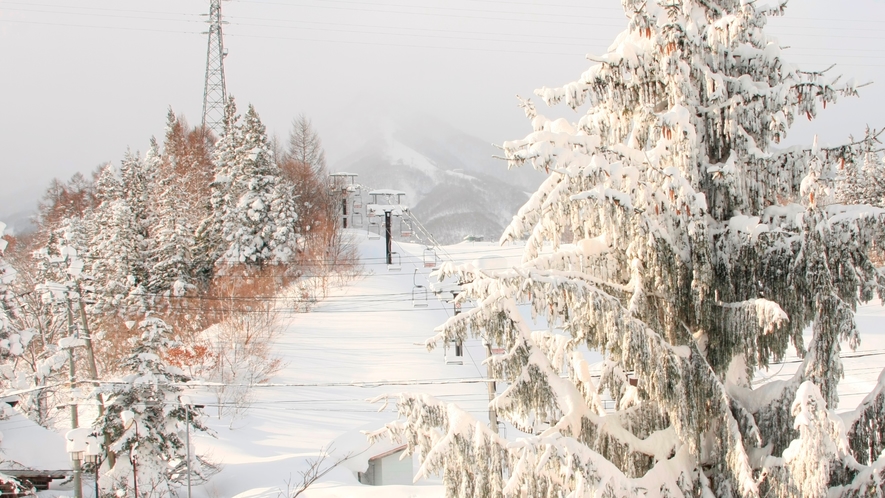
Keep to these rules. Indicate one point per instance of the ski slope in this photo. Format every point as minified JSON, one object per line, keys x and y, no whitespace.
{"x":366,"y":332}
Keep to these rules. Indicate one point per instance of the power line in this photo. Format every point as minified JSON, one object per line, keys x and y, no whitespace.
{"x":404,"y":45}
{"x":363,"y":7}
{"x":418,"y":35}
{"x":521,"y":36}
{"x":775,"y":19}
{"x":90,"y":14}
{"x":69,"y":25}
{"x":545,"y":4}
{"x":273,"y":385}
{"x":108,"y":9}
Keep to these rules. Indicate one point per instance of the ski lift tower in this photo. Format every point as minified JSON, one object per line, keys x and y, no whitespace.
{"x":344,"y":186}
{"x":390,"y":203}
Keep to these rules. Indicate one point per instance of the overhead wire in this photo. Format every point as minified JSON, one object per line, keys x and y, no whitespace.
{"x":364,"y":7}
{"x":85,"y":7}
{"x":399,"y":34}
{"x":70,"y":25}
{"x":91,"y":14}
{"x":545,"y":5}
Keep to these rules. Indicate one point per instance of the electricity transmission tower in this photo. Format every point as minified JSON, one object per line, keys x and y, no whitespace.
{"x":214,"y":89}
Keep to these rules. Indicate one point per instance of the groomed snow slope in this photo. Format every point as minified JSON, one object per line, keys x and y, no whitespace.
{"x":366,"y":332}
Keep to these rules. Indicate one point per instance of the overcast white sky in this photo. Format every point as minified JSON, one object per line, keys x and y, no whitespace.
{"x":80,"y":80}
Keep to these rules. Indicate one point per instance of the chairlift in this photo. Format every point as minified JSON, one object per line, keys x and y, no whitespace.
{"x":357,"y":220}
{"x":358,"y":200}
{"x":395,"y":261}
{"x":405,"y":227}
{"x":420,"y":296}
{"x":454,"y":353}
{"x":429,"y":258}
{"x":373,"y":222}
{"x":502,"y":430}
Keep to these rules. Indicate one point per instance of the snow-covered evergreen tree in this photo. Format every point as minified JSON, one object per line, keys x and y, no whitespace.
{"x":7,"y":275}
{"x":118,"y":262}
{"x":701,"y":252}
{"x":171,"y":259}
{"x":45,"y":320}
{"x":209,"y":242}
{"x":254,"y":211}
{"x":863,"y":182}
{"x":146,"y":419}
{"x":13,"y":342}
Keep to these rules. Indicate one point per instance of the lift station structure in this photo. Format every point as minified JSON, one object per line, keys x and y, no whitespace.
{"x":389,"y":204}
{"x":344,"y":186}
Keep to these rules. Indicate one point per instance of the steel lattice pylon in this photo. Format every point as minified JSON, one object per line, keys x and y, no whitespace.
{"x":214,"y":89}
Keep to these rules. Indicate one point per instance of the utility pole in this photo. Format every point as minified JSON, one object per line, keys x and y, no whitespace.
{"x":493,"y":414}
{"x":214,"y":88}
{"x":93,"y":373}
{"x":387,"y":217}
{"x":75,"y":422}
{"x":187,"y":424}
{"x":187,"y":443}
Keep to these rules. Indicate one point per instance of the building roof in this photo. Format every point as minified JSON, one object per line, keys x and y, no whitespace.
{"x":388,"y":453}
{"x":387,"y":191}
{"x":28,"y":446}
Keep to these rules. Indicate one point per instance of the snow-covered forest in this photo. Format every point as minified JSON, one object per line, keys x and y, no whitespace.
{"x":157,"y":270}
{"x":673,"y":255}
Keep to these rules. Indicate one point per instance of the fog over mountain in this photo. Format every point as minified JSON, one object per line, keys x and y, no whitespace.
{"x":454,"y":185}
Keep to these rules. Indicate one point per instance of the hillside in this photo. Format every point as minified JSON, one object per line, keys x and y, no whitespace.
{"x":453,"y":183}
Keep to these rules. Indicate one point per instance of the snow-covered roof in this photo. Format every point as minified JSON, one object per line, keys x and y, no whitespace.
{"x":343,"y":173}
{"x":389,"y":452}
{"x":385,"y":191}
{"x":27,"y":445}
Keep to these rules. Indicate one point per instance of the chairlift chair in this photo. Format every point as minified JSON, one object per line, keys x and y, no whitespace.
{"x":454,"y":353}
{"x":358,"y":200}
{"x":373,"y":222}
{"x":357,"y":220}
{"x":420,"y":296}
{"x":395,"y":262}
{"x":404,"y":227}
{"x":429,"y":258}
{"x":502,"y":430}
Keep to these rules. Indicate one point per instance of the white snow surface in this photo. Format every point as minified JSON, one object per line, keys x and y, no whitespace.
{"x":398,"y":151}
{"x":368,"y":332}
{"x":25,"y":444}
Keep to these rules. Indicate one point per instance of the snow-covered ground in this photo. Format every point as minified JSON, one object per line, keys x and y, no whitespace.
{"x":366,"y":339}
{"x":368,"y":332}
